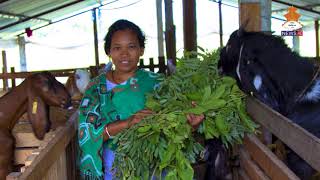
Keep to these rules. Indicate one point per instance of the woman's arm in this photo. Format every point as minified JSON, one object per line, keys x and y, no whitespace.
{"x":116,"y":127}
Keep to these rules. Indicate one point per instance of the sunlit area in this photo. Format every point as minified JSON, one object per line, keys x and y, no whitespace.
{"x":69,"y":43}
{"x":159,"y":89}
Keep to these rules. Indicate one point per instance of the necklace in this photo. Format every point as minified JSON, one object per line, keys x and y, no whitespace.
{"x":112,"y":77}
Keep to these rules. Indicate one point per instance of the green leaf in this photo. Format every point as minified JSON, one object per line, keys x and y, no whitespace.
{"x":213,"y":104}
{"x":152,"y":104}
{"x":222,"y":125}
{"x":197,"y":110}
{"x":206,"y":93}
{"x":172,"y":175}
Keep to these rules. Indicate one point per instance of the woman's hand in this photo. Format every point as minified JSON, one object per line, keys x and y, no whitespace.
{"x":118,"y":126}
{"x":138,"y":116}
{"x":195,"y":120}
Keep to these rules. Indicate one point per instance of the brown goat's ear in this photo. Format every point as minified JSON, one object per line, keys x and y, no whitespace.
{"x":38,"y":116}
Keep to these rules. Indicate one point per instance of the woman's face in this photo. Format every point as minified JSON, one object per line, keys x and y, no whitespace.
{"x":125,"y":51}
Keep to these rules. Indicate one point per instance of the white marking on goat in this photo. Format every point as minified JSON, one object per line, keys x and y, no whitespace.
{"x":314,"y":93}
{"x":238,"y":65}
{"x":257,"y":82}
{"x":265,"y":95}
{"x":217,"y":161}
{"x":238,"y":70}
{"x":83,"y":81}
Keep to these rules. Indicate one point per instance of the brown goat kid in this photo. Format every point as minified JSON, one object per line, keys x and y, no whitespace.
{"x":34,"y":95}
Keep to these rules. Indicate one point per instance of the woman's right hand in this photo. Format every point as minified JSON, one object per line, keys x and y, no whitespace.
{"x":138,"y":116}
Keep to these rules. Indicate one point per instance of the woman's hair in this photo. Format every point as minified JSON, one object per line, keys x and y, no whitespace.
{"x":119,"y":25}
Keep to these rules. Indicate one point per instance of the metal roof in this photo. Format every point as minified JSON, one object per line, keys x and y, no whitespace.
{"x":17,"y":15}
{"x":309,"y":9}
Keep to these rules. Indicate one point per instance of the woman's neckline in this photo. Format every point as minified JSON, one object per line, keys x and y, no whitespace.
{"x":113,"y":77}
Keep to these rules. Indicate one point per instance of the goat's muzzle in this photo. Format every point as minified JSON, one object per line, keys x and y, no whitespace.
{"x":67,"y":104}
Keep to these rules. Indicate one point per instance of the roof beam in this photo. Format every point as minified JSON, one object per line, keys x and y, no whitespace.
{"x":40,"y":14}
{"x":299,"y":7}
{"x":21,"y":16}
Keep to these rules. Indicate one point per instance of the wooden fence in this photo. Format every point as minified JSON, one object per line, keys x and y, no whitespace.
{"x":258,"y":162}
{"x":55,"y":159}
{"x":160,"y":67}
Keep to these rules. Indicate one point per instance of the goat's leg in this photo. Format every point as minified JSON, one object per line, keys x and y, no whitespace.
{"x":6,"y":153}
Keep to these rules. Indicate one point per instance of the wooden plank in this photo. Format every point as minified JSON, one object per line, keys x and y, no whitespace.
{"x":250,"y":16}
{"x":13,"y":81}
{"x":299,"y":140}
{"x":21,"y":154}
{"x":162,"y":65}
{"x":4,"y":69}
{"x":271,"y":165}
{"x":30,"y":159}
{"x":52,"y":151}
{"x":189,"y":28}
{"x":71,"y":159}
{"x":151,"y":64}
{"x":170,"y":31}
{"x":25,"y":137}
{"x":250,"y":167}
{"x":26,"y":74}
{"x":58,"y":170}
{"x":13,"y":176}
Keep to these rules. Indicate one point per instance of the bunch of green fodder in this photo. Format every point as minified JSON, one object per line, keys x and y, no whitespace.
{"x":164,"y":141}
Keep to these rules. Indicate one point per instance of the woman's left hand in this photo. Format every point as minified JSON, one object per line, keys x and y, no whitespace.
{"x":195,"y":120}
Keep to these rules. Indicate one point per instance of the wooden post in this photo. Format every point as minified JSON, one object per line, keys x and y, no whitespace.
{"x":13,"y":80}
{"x":22,"y":53}
{"x":151,"y":64}
{"x":162,"y":65}
{"x":250,"y":15}
{"x":189,"y":25}
{"x":296,"y":43}
{"x":95,"y":31}
{"x":4,"y":70}
{"x":141,"y":64}
{"x":265,"y":15}
{"x":316,"y":28}
{"x":220,"y":24}
{"x":255,"y":15}
{"x":160,"y":28}
{"x":170,"y":33}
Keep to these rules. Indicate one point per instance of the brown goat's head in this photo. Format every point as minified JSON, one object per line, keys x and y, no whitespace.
{"x":44,"y":91}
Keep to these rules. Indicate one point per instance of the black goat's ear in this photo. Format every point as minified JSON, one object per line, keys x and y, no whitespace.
{"x":267,"y":32}
{"x":242,"y":31}
{"x":38,"y":115}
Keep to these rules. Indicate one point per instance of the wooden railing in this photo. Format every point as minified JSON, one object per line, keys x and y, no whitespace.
{"x":12,"y":75}
{"x":258,"y":162}
{"x":56,"y":159}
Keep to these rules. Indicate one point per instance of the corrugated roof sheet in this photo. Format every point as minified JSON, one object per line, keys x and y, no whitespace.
{"x":17,"y":15}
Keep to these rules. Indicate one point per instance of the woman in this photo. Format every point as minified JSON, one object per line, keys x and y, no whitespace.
{"x":115,"y":101}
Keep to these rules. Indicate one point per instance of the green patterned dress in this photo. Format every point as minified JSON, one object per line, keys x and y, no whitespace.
{"x":100,"y":107}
